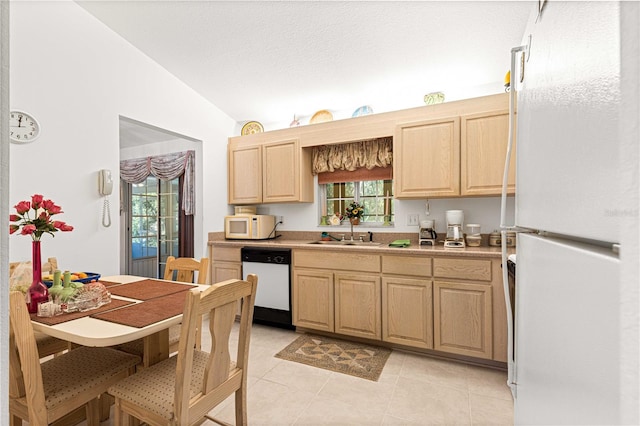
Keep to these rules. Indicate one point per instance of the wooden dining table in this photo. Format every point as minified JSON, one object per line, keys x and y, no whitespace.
{"x":142,"y":308}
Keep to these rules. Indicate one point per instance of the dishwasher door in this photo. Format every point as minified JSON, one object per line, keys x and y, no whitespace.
{"x":273,"y":284}
{"x":273,"y":297}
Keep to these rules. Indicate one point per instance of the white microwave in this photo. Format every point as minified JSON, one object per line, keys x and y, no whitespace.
{"x":250,"y":227}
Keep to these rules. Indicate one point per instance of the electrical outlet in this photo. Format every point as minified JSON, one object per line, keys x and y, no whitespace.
{"x":413,"y":219}
{"x":280,"y":220}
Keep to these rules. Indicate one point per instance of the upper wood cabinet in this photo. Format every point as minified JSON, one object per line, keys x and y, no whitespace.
{"x":456,"y":155}
{"x":484,"y":139}
{"x":275,"y":172}
{"x":427,"y":159}
{"x":245,"y":175}
{"x":451,"y":149}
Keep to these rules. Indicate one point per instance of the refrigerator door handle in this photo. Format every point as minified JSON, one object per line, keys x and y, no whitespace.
{"x":511,"y":379}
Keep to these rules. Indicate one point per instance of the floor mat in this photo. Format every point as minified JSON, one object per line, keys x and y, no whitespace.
{"x":355,"y":359}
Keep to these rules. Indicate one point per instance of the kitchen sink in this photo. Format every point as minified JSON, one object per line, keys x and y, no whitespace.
{"x":346,"y":243}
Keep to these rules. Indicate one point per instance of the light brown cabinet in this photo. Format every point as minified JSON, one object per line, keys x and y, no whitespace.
{"x":484,"y":139}
{"x":407,"y":311}
{"x":275,"y":172}
{"x":313,"y":298}
{"x":452,"y":156}
{"x":341,"y":299}
{"x":225,"y":264}
{"x":357,"y":305}
{"x":462,"y":307}
{"x":448,"y":304}
{"x":427,"y":159}
{"x":223,"y":271}
{"x":407,"y":301}
{"x":462,"y":319}
{"x":244,"y":175}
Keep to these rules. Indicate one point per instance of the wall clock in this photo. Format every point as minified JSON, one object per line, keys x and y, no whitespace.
{"x":23,"y":127}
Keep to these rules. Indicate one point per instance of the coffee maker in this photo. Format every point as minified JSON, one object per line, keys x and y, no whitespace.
{"x":455,"y":222}
{"x":427,"y":234}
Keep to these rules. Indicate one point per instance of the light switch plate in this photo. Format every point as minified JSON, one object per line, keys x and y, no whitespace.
{"x":413,"y":219}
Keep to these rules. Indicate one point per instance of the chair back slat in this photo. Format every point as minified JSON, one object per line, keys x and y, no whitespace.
{"x":50,"y":266}
{"x":27,"y":360}
{"x":220,"y":302}
{"x":217,"y":370}
{"x":185,"y":267}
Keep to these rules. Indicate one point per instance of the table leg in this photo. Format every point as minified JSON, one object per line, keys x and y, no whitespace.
{"x":156,"y":348}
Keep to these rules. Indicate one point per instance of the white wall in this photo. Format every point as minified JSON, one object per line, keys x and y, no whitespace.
{"x":482,"y":210}
{"x":77,"y":77}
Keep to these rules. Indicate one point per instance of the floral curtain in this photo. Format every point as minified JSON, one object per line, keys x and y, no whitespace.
{"x":165,"y":167}
{"x":367,"y":154}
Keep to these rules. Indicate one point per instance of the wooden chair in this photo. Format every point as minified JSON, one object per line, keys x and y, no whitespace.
{"x":184,"y":388}
{"x":42,"y":393}
{"x":177,"y":269}
{"x":182,"y":269}
{"x":50,"y":266}
{"x":47,"y":345}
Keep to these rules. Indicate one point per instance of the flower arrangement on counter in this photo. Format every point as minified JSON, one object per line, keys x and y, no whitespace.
{"x":41,"y":222}
{"x":354,"y":210}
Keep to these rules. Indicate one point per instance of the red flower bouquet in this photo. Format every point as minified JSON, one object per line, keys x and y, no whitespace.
{"x":35,"y":218}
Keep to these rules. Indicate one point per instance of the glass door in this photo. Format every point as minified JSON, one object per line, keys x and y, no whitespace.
{"x":154,"y":229}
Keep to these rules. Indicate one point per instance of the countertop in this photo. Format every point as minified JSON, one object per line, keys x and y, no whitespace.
{"x":414,"y":249}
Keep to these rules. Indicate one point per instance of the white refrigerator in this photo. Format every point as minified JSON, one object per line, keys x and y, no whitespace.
{"x":564,"y":367}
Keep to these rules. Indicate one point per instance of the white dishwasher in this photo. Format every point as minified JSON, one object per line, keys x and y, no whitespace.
{"x":273,"y":298}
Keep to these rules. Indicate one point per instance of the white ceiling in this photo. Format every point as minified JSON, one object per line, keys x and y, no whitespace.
{"x":268,"y":60}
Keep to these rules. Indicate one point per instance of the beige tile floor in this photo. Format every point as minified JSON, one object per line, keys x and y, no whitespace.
{"x":412,"y":390}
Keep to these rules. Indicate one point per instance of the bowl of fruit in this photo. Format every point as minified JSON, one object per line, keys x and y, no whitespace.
{"x":78,"y":277}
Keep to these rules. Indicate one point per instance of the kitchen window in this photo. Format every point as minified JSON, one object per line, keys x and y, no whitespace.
{"x":375,"y":195}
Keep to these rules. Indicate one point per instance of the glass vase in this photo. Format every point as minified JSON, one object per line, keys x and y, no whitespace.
{"x":38,"y":292}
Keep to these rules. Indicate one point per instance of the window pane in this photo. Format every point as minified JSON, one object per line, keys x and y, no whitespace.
{"x":168,"y":220}
{"x":349,"y":189}
{"x":371,"y":194}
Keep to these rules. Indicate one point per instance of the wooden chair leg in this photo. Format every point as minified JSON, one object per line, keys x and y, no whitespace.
{"x":117,"y":413}
{"x":15,"y":421}
{"x":241,"y":407}
{"x":93,"y":412}
{"x":106,"y":401}
{"x":73,"y":418}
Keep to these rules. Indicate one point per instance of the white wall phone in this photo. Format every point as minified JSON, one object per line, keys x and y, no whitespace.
{"x":105,"y":183}
{"x":105,"y":187}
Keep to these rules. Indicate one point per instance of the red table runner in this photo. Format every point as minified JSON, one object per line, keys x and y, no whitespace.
{"x":148,"y":312}
{"x":148,"y":289}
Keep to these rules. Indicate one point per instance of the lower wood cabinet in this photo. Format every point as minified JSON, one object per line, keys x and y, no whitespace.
{"x":462,"y":317}
{"x":223,"y":271}
{"x":407,"y":313}
{"x":225,"y":264}
{"x":313,"y":299}
{"x":357,"y":305}
{"x":447,"y":304}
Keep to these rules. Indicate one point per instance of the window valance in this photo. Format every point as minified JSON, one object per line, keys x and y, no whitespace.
{"x":352,"y":156}
{"x":164,"y":167}
{"x":342,"y":159}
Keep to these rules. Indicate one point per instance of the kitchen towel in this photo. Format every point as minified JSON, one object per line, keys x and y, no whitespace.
{"x":400,"y":243}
